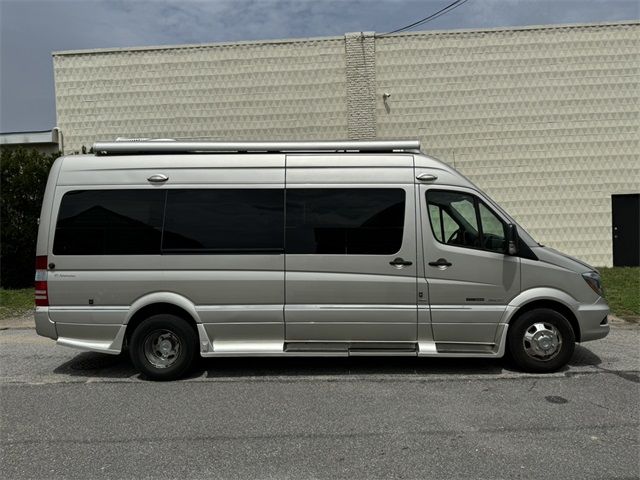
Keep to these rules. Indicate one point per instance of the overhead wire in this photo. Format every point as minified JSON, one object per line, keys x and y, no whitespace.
{"x":430,"y":17}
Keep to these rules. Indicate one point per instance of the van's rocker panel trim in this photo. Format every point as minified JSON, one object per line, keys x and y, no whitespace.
{"x":589,"y":319}
{"x":212,"y":346}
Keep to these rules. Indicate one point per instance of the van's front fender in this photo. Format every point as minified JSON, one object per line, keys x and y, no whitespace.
{"x":537,"y":294}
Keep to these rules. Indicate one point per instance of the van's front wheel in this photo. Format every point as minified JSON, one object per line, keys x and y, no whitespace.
{"x":163,"y":347}
{"x":541,"y":340}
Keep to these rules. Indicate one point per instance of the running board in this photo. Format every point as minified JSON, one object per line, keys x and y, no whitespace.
{"x":395,"y":352}
{"x":353,"y":349}
{"x":344,"y":349}
{"x":243,"y":349}
{"x":452,"y":350}
{"x":307,"y":349}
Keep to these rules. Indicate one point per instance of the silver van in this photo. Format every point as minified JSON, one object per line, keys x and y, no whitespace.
{"x":169,"y":248}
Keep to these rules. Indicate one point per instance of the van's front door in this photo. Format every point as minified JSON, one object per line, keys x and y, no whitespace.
{"x":471,"y":278}
{"x":350,"y":254}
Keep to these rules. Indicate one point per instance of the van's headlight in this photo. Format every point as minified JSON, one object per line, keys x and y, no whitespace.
{"x":593,"y":280}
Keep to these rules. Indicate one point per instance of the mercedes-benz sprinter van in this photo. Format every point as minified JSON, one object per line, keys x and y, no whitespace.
{"x":171,"y":249}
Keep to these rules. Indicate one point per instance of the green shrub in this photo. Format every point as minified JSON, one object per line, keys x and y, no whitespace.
{"x":23,"y":177}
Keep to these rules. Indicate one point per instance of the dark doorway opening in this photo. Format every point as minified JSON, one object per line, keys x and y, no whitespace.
{"x":626,"y":230}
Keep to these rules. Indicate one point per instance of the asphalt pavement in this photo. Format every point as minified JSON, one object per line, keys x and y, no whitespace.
{"x":71,"y":414}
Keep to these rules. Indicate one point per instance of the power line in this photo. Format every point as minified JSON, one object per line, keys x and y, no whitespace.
{"x":433,"y":16}
{"x":444,"y":13}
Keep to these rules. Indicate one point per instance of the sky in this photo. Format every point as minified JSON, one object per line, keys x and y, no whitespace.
{"x":31,"y":29}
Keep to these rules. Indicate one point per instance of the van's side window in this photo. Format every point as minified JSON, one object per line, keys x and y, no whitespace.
{"x":494,"y":231}
{"x":462,"y":220}
{"x":109,"y":222}
{"x":358,"y":221}
{"x":224,"y":221}
{"x":442,"y":224}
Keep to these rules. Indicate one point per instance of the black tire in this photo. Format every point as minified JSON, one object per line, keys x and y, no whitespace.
{"x":163,"y":347}
{"x":543,"y":325}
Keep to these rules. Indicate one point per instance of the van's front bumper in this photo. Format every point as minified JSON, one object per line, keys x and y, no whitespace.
{"x":593,"y":320}
{"x":44,"y":325}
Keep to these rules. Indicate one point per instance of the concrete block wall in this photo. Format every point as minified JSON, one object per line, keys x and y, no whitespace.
{"x":243,"y":91}
{"x":545,"y":119}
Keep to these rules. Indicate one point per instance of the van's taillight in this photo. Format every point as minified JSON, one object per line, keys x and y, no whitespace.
{"x":42,"y":294}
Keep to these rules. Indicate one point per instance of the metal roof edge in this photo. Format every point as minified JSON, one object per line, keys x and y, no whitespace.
{"x":26,"y":132}
{"x":196,"y":45}
{"x":554,"y":26}
{"x":461,"y":31}
{"x":26,"y":138}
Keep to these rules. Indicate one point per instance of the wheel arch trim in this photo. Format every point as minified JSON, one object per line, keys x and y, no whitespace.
{"x":545,"y":297}
{"x":175,"y":300}
{"x":159,"y":298}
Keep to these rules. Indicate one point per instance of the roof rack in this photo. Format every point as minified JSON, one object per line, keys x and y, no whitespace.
{"x":147,"y":146}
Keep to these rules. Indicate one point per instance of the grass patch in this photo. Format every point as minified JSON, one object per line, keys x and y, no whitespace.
{"x":14,"y":303}
{"x":622,"y":290}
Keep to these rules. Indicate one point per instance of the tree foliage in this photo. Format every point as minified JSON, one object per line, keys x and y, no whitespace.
{"x":23,"y":177}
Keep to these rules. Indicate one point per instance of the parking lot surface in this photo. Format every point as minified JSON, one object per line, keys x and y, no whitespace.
{"x":71,"y":414}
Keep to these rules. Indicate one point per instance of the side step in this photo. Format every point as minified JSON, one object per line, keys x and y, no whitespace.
{"x":479,"y":349}
{"x":427,"y":348}
{"x":353,"y":349}
{"x":390,"y":352}
{"x":430,"y":348}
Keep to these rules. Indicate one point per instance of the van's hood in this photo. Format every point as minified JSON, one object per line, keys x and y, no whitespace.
{"x":559,"y":259}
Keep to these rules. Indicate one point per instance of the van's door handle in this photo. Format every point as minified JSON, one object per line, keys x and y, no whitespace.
{"x":426,"y":177}
{"x":157,"y":178}
{"x":400,"y":262}
{"x":441,"y":262}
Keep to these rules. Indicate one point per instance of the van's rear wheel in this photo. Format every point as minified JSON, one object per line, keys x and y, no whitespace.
{"x":163,"y":347}
{"x":541,"y":340}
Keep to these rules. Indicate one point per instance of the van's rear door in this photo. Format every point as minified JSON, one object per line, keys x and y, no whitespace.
{"x":350,"y":241}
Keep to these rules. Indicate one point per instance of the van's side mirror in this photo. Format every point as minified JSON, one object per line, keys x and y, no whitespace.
{"x":512,"y":239}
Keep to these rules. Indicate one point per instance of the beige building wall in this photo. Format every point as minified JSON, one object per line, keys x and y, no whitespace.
{"x":274,"y":90}
{"x":545,"y":119}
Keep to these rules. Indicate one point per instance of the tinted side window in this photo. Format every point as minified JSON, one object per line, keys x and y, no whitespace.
{"x":224,"y":221}
{"x":435,"y":217}
{"x":461,"y":219}
{"x":365,"y":221}
{"x":109,"y":222}
{"x":457,"y":218}
{"x":442,"y":224}
{"x":494,"y":232}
